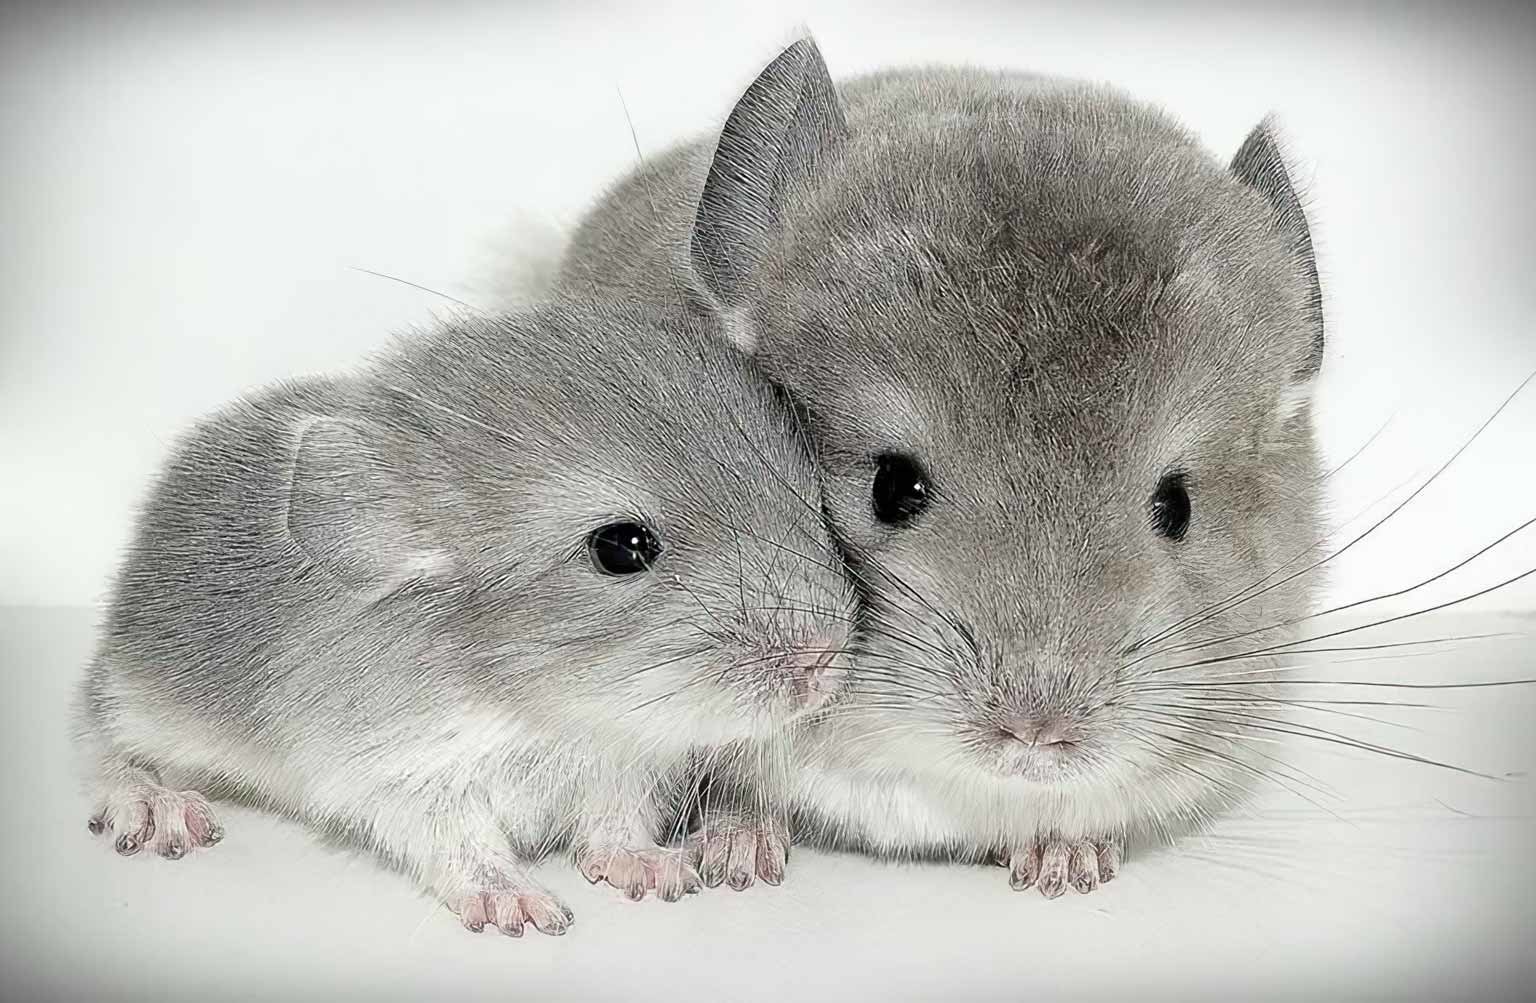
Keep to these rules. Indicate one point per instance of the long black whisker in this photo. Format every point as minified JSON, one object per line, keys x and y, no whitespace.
{"x":1290,"y":647}
{"x":1359,"y":602}
{"x":1374,"y":526}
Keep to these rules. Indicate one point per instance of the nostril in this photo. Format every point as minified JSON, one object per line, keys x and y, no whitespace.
{"x":812,"y":660}
{"x":817,"y":655}
{"x":816,"y":668}
{"x":800,"y":661}
{"x":1039,"y":732}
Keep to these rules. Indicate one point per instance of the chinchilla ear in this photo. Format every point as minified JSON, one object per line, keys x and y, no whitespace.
{"x":1260,"y":164}
{"x":346,"y":510}
{"x":788,"y":121}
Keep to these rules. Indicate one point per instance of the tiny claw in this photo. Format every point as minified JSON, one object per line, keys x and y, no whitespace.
{"x":551,"y":924}
{"x":1109,"y":861}
{"x":127,"y":845}
{"x":214,"y":835}
{"x":1083,"y":868}
{"x":590,"y":869}
{"x":174,"y":851}
{"x":97,"y":826}
{"x":1025,"y":869}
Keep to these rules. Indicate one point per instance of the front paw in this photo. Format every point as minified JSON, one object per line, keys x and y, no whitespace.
{"x":145,"y":815}
{"x":510,"y":907}
{"x":1052,"y":865}
{"x":667,"y":872}
{"x":737,"y":851}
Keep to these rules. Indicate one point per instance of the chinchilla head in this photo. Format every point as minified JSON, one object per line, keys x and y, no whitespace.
{"x":613,"y":507}
{"x":1057,"y":363}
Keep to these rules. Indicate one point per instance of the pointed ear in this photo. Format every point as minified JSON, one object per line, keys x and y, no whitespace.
{"x":783,"y":127}
{"x":1260,"y":164}
{"x":346,"y":511}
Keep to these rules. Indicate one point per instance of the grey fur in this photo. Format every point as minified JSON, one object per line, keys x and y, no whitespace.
{"x":1052,"y":296}
{"x":774,"y":139}
{"x":1260,"y":164}
{"x":367,"y":602}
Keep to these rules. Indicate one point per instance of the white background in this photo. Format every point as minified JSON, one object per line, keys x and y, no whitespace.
{"x":187,"y":194}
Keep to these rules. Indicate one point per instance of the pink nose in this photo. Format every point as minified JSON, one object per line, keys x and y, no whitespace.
{"x":813,"y":660}
{"x":1037,"y":731}
{"x":817,"y":668}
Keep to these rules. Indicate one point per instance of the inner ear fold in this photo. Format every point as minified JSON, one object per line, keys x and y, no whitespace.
{"x":788,"y":121}
{"x":346,"y":510}
{"x":1260,"y":164}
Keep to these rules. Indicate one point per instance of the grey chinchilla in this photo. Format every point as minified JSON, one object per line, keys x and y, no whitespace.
{"x":1057,"y":361}
{"x":482,"y":599}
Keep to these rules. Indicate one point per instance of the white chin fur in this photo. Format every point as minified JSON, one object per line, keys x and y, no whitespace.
{"x":899,"y":807}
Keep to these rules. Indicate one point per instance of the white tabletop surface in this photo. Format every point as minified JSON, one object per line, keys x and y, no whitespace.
{"x":1407,"y":881}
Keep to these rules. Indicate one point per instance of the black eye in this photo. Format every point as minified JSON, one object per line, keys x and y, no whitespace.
{"x":901,"y":489}
{"x":623,"y":548}
{"x":1170,"y":506}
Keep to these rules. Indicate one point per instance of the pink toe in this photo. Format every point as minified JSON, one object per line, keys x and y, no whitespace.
{"x":1026,"y":868}
{"x":473,"y":914}
{"x":547,"y":914}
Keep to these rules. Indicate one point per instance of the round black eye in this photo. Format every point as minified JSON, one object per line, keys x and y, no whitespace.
{"x":1170,"y":506}
{"x":623,"y":548}
{"x":901,"y":489}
